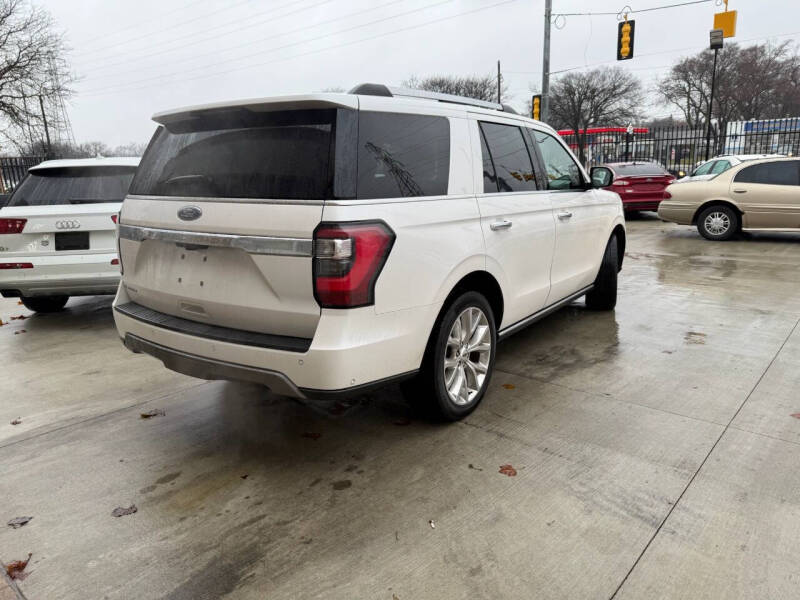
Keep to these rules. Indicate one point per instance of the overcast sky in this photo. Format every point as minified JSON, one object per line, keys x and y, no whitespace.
{"x":136,"y":57}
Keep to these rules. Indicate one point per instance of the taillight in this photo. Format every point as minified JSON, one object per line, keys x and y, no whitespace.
{"x":12,"y":225}
{"x":114,"y":218}
{"x":348,"y":257}
{"x":666,"y":195}
{"x":114,"y":261}
{"x":621,"y":182}
{"x":16,"y":265}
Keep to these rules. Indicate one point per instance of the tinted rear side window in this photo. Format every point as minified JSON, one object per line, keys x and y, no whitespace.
{"x":512,"y":163}
{"x":73,"y":185}
{"x":242,"y":154}
{"x":774,"y":173}
{"x":402,"y":155}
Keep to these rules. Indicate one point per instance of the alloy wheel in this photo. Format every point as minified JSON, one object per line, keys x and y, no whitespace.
{"x":467,"y":355}
{"x":717,"y":223}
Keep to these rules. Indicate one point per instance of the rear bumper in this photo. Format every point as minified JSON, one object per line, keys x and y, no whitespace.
{"x":677,"y":213}
{"x":351,"y":351}
{"x":70,"y":274}
{"x":641,"y":201}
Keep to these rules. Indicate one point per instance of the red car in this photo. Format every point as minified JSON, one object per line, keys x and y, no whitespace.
{"x":639,"y":184}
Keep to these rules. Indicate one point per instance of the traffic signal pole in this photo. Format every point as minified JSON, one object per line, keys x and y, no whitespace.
{"x":548,"y":9}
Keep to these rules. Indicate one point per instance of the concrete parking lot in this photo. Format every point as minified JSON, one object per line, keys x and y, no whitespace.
{"x":654,"y":446}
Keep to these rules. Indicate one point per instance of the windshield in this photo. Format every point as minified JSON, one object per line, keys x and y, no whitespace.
{"x":640,"y":169}
{"x":73,"y":185}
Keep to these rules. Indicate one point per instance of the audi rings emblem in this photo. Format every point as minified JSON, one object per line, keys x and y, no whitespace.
{"x":68,"y":224}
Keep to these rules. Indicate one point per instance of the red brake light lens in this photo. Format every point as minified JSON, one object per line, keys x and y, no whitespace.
{"x":114,"y":218}
{"x":114,"y":261}
{"x":666,"y":195}
{"x":12,"y":225}
{"x":348,"y":258}
{"x":16,"y":265}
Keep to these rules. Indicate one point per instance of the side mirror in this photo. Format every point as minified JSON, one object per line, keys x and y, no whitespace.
{"x":601,"y":177}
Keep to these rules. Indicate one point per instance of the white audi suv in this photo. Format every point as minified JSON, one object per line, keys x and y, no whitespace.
{"x":324,"y":244}
{"x":57,"y":232}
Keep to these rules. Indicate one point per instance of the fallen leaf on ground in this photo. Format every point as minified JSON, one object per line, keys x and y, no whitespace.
{"x":1,"y":323}
{"x":795,"y":415}
{"x":244,"y":476}
{"x":18,"y":332}
{"x":471,"y":466}
{"x":17,"y":421}
{"x":508,"y":470}
{"x":156,"y":412}
{"x":18,"y":522}
{"x":509,"y":386}
{"x":432,"y":524}
{"x":121,"y":512}
{"x":19,"y":318}
{"x":15,"y":569}
{"x":313,"y":435}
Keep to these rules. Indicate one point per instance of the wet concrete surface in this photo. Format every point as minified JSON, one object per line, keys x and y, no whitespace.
{"x":654,"y":447}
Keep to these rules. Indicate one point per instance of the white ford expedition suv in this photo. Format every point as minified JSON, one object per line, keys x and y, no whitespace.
{"x":324,"y":244}
{"x":57,"y":233}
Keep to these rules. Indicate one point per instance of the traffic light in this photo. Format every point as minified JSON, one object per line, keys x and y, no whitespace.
{"x":625,"y":40}
{"x":536,"y":107}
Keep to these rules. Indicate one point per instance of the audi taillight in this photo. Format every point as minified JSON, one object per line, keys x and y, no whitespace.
{"x":12,"y":225}
{"x":16,"y":265}
{"x":348,"y":258}
{"x":621,"y":182}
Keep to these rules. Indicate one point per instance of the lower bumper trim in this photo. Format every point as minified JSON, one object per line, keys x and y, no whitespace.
{"x":211,"y":369}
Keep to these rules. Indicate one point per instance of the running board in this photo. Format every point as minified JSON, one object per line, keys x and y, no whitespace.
{"x":519,"y":325}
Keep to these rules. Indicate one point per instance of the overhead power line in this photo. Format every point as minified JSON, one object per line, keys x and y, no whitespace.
{"x":335,"y":46}
{"x":284,"y":46}
{"x":630,"y":11}
{"x":203,"y":38}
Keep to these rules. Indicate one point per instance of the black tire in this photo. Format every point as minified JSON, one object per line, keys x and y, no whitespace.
{"x":45,"y":304}
{"x":715,"y":216}
{"x":428,"y":390}
{"x":603,"y":296}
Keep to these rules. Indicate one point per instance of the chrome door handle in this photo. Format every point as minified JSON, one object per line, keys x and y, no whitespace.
{"x":504,"y":224}
{"x":739,"y":191}
{"x":565,"y":215}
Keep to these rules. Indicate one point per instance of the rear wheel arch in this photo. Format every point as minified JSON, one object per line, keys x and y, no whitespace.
{"x":485,"y":284}
{"x":727,"y":203}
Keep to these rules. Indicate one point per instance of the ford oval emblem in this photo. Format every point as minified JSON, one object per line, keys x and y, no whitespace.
{"x":190,"y":213}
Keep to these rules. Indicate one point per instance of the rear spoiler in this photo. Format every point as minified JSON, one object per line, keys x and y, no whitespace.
{"x":259,"y":105}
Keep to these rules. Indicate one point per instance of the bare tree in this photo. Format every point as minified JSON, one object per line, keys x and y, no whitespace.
{"x":33,"y":71}
{"x":602,"y":96}
{"x":756,"y":82}
{"x":480,"y":87}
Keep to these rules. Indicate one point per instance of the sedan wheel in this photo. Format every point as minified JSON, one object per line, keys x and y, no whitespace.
{"x":718,"y":222}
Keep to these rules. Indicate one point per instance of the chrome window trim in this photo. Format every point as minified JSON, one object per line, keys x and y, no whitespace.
{"x":228,"y":200}
{"x":254,"y":244}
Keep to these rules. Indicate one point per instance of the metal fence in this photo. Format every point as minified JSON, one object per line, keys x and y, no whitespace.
{"x":683,"y":148}
{"x":13,"y":169}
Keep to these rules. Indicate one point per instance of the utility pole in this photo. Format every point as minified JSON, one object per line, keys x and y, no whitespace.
{"x":46,"y":130}
{"x":716,"y":44}
{"x":498,"y":82}
{"x":548,"y":9}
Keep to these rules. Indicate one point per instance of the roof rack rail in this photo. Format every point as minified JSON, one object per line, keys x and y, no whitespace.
{"x":379,"y":89}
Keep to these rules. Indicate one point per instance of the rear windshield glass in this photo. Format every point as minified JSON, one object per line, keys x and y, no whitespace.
{"x":73,"y":185}
{"x":640,"y":169}
{"x":241,"y":154}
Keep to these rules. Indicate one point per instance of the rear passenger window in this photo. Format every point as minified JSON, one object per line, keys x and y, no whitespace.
{"x":509,"y":157}
{"x":561,"y":169}
{"x":773,"y":173}
{"x":402,"y":155}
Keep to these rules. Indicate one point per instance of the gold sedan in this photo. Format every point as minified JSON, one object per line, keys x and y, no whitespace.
{"x":762,"y":194}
